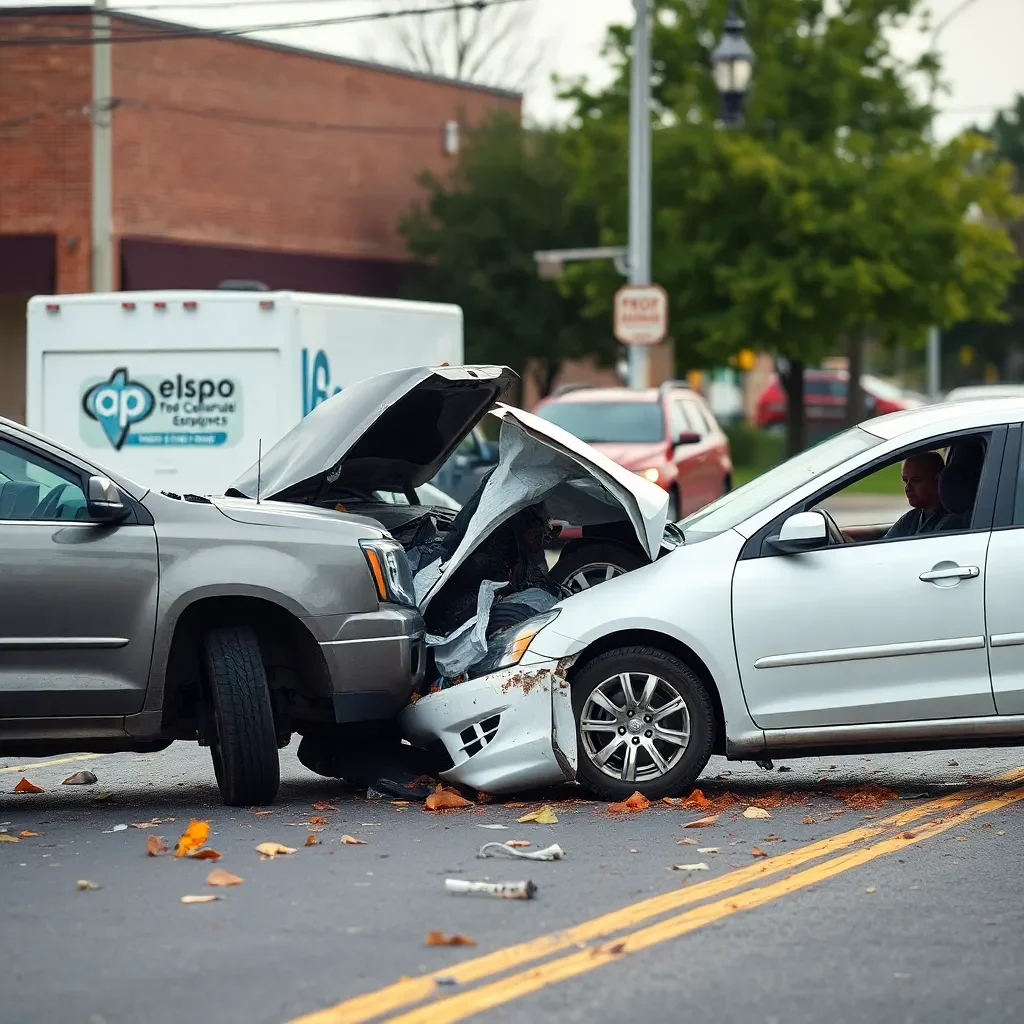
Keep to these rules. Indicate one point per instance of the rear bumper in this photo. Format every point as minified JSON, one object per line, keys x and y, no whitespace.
{"x":376,"y":661}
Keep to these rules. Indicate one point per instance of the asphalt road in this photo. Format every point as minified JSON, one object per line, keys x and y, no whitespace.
{"x":852,"y":916}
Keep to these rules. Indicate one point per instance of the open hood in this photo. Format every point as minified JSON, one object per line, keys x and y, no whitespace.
{"x":390,"y":432}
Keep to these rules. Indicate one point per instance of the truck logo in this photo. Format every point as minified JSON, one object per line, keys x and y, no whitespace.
{"x":116,"y":404}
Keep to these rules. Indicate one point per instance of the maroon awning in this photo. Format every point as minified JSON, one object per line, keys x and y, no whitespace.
{"x":28,"y":263}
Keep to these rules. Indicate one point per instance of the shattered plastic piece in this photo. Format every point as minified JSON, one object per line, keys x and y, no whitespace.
{"x":268,"y":851}
{"x":208,"y":898}
{"x":24,"y":786}
{"x":553,"y":852}
{"x":495,"y":827}
{"x":503,"y":890}
{"x":756,"y":812}
{"x":80,"y":779}
{"x":443,"y":799}
{"x":116,"y":828}
{"x":544,"y":816}
{"x":192,"y":838}
{"x":711,"y":819}
{"x":709,"y":849}
{"x":440,"y":939}
{"x":637,"y":802}
{"x":689,"y":867}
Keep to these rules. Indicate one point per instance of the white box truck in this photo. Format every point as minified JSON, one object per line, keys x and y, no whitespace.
{"x":177,"y":389}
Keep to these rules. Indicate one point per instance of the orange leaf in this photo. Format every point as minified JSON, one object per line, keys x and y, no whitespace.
{"x":318,"y":820}
{"x":758,"y":852}
{"x":352,"y":841}
{"x":711,"y":819}
{"x":25,"y":834}
{"x":809,"y":821}
{"x":637,"y":802}
{"x":268,"y":851}
{"x":440,"y":939}
{"x":156,"y":847}
{"x":311,"y":840}
{"x":263,"y":814}
{"x":204,"y":855}
{"x":218,"y":876}
{"x":192,"y":838}
{"x":323,"y":805}
{"x":445,"y":800}
{"x":515,"y":805}
{"x":27,"y":787}
{"x":518,"y":844}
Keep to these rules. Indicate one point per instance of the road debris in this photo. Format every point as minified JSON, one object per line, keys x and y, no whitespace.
{"x":347,"y":840}
{"x":503,"y":890}
{"x":218,"y":876}
{"x":192,"y":838}
{"x":311,"y":840}
{"x":870,"y":797}
{"x":6,"y":837}
{"x":553,"y":852}
{"x":495,"y":827}
{"x":809,"y":821}
{"x":711,"y":819}
{"x":543,"y":816}
{"x":24,"y":786}
{"x":84,"y":885}
{"x":784,"y":768}
{"x":634,"y":803}
{"x":446,"y":799}
{"x":758,"y":852}
{"x":756,"y":812}
{"x":152,"y":823}
{"x":156,"y":847}
{"x":522,"y":844}
{"x":701,"y":866}
{"x":686,"y":842}
{"x":320,"y":805}
{"x":116,"y":828}
{"x":208,"y":898}
{"x":268,"y":851}
{"x":440,"y":939}
{"x":80,"y":779}
{"x":318,"y":819}
{"x":708,"y":849}
{"x":26,"y":834}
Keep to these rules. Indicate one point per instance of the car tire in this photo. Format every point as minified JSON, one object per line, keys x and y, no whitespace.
{"x":506,"y":614}
{"x":244,"y":745}
{"x":589,"y":563}
{"x":675,"y":679}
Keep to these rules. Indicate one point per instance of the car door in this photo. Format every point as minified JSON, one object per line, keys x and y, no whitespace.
{"x":1004,"y":571}
{"x":694,"y":459}
{"x":874,"y":632}
{"x":78,"y":599}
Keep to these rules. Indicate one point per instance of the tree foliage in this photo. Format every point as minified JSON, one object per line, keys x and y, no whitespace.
{"x":508,"y":196}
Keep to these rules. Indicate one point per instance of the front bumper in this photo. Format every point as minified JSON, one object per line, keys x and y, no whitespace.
{"x":376,"y":661}
{"x":505,"y":731}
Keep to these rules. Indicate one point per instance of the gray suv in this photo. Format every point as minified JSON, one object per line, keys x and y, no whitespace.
{"x":131,"y":618}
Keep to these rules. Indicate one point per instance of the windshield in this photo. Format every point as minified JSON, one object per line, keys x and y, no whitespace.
{"x":739,"y":505}
{"x":608,"y":422}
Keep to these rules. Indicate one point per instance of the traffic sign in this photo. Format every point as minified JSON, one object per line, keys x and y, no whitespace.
{"x":641,"y":314}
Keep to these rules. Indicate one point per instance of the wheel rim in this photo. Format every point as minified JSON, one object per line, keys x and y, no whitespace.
{"x":635,"y":727}
{"x":591,"y":575}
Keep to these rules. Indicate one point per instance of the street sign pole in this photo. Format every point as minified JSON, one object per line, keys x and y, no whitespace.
{"x":640,"y":176}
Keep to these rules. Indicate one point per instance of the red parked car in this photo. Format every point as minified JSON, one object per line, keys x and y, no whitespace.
{"x":825,"y":399}
{"x":668,"y":435}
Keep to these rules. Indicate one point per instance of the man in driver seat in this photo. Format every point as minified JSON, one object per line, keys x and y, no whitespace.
{"x":921,"y":485}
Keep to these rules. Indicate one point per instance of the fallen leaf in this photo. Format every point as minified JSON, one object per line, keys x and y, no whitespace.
{"x":116,"y":828}
{"x":440,"y":939}
{"x":689,"y":867}
{"x":871,"y":888}
{"x":80,"y":779}
{"x":758,"y":852}
{"x":616,"y":948}
{"x":908,"y":835}
{"x":320,"y":805}
{"x":756,"y":812}
{"x":318,"y":820}
{"x":204,"y":855}
{"x":988,"y":824}
{"x":156,"y":847}
{"x":27,"y":787}
{"x":152,"y":823}
{"x":544,"y":816}
{"x":637,"y":802}
{"x":399,"y":803}
{"x":672,"y":801}
{"x":711,"y":819}
{"x":209,"y":898}
{"x":809,"y":821}
{"x":446,"y":800}
{"x":106,"y":796}
{"x":6,"y":837}
{"x":954,"y":764}
{"x":516,"y":804}
{"x":262,"y":814}
{"x":25,"y":834}
{"x":85,"y":886}
{"x":708,"y":849}
{"x":347,"y":840}
{"x":192,"y":838}
{"x":218,"y":876}
{"x":686,"y":842}
{"x":519,"y":844}
{"x":268,"y":851}
{"x":311,"y":840}
{"x":960,"y":839}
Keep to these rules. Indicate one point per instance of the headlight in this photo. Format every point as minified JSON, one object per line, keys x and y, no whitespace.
{"x":650,"y":474}
{"x":518,"y":641}
{"x":389,"y":567}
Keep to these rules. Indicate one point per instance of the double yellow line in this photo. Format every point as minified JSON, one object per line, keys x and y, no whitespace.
{"x":410,"y":991}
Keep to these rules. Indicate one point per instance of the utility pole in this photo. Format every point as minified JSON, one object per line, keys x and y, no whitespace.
{"x":102,"y":115}
{"x":639,"y":259}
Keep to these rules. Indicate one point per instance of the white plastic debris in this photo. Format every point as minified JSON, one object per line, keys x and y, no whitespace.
{"x":116,"y":828}
{"x":553,"y":852}
{"x":503,"y":890}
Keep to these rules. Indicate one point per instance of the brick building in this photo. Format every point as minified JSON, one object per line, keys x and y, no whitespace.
{"x":232,"y":158}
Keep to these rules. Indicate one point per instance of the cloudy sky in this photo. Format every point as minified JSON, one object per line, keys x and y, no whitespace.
{"x":981,"y":48}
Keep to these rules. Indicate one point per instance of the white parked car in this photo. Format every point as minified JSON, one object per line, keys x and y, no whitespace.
{"x":762,"y":630}
{"x":973,"y":392}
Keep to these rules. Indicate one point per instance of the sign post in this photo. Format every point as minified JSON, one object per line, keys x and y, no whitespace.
{"x":641,"y":314}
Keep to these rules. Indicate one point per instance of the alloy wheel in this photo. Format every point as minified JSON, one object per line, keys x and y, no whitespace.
{"x":591,"y":575}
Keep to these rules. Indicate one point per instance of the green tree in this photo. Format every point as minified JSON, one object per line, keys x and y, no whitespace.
{"x":475,"y":234}
{"x":825,"y":218}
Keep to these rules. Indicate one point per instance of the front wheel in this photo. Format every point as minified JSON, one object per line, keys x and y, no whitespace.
{"x":244,"y":746}
{"x":593,"y":562}
{"x":645,"y":722}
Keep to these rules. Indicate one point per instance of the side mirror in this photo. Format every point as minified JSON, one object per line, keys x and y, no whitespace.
{"x":688,"y":437}
{"x":103,"y":501}
{"x":803,"y":531}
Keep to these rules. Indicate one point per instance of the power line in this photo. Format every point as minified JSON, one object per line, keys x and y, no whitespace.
{"x":168,"y":34}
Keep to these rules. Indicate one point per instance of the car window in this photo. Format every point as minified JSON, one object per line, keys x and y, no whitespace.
{"x":34,"y":487}
{"x":690,"y":414}
{"x":469,"y":445}
{"x":706,"y":416}
{"x":739,"y":505}
{"x":608,"y":422}
{"x":1018,"y":503}
{"x":825,"y":387}
{"x":677,"y":422}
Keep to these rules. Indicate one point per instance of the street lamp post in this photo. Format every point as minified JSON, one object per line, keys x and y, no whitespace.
{"x":732,"y":65}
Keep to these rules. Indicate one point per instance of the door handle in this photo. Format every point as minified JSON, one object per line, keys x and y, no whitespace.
{"x":953,"y":572}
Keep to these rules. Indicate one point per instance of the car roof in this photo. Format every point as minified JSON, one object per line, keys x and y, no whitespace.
{"x":985,"y":412}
